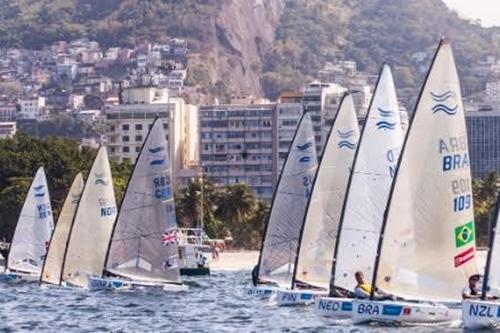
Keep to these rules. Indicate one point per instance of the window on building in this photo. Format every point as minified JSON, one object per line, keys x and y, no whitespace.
{"x":112,"y":139}
{"x":137,"y":149}
{"x":138,"y":138}
{"x":125,"y":127}
{"x":165,"y":126}
{"x":138,"y":127}
{"x":125,"y":138}
{"x":112,"y":128}
{"x":126,"y":149}
{"x":112,"y":149}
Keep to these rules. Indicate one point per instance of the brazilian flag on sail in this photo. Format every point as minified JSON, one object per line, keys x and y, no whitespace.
{"x":464,"y":234}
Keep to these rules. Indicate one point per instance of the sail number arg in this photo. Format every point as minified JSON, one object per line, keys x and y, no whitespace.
{"x":454,"y":152}
{"x":462,"y":199}
{"x":162,"y":187}
{"x":43,"y":211}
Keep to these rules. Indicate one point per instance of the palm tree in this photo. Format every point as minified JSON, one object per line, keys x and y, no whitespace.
{"x":485,"y":195}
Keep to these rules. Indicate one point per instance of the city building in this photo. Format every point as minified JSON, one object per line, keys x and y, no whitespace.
{"x":322,"y":101}
{"x":493,"y":92}
{"x":289,"y":110}
{"x":128,"y":124}
{"x":32,"y":109}
{"x":237,"y":145}
{"x":483,"y":129}
{"x":8,"y":112}
{"x":7,"y":129}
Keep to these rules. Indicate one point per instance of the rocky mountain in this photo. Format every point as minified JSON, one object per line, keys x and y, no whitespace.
{"x":261,"y":47}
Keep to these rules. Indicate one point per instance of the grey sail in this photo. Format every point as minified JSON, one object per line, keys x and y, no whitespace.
{"x":279,"y":250}
{"x":144,"y":242}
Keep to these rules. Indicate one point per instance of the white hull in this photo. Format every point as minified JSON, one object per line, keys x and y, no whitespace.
{"x":96,"y":283}
{"x":481,"y":314}
{"x":16,"y":277}
{"x":334,"y":307}
{"x":365,"y":311}
{"x":286,"y":297}
{"x":260,"y":290}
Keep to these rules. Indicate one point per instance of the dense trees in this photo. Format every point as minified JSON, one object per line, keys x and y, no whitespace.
{"x":485,"y":195}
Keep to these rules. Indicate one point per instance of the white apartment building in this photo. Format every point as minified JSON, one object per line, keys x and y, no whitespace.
{"x":31,"y":109}
{"x":7,"y":129}
{"x":289,"y":110}
{"x":8,"y":112}
{"x":322,"y":101}
{"x":493,"y":92}
{"x":237,"y":145}
{"x":128,"y":124}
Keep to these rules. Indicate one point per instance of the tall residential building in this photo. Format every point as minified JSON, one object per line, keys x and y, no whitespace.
{"x":237,"y":145}
{"x":322,"y":101}
{"x":7,"y":129}
{"x":128,"y":124}
{"x":289,"y":110}
{"x":483,"y":129}
{"x":493,"y":92}
{"x":32,"y":109}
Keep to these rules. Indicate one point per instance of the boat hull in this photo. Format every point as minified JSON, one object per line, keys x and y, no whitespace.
{"x":261,"y":290}
{"x":15,"y":277}
{"x":334,"y":307}
{"x":116,"y":284}
{"x":285,"y":297}
{"x":365,"y":311}
{"x":478,"y":314}
{"x":195,"y":271}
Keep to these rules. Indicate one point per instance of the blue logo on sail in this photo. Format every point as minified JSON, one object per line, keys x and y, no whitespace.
{"x":305,"y":159}
{"x":345,"y":143}
{"x":443,"y":102}
{"x":39,"y":190}
{"x":305,"y":146}
{"x":157,"y":162}
{"x":156,"y":149}
{"x":100,"y":179}
{"x":385,"y":124}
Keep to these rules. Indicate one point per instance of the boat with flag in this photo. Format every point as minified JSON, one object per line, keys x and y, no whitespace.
{"x":91,"y":227}
{"x":28,"y":247}
{"x":484,"y":312}
{"x":368,"y":189}
{"x":319,"y":232}
{"x":421,"y":258}
{"x":281,"y":238}
{"x":52,"y":267}
{"x":143,"y":251}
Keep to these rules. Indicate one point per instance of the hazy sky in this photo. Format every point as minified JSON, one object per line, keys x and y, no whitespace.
{"x":486,"y":10}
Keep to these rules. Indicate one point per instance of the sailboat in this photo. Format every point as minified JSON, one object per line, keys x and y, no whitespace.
{"x":483,"y":312}
{"x":421,"y":255}
{"x":319,"y":232}
{"x":52,"y":268}
{"x":92,"y":225}
{"x":369,"y":187}
{"x":281,"y":238}
{"x":143,"y":251}
{"x":31,"y":237}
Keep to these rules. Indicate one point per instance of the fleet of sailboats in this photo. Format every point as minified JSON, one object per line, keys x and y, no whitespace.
{"x":396,"y":208}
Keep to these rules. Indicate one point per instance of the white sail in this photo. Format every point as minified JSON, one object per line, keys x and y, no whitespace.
{"x":33,"y":230}
{"x":370,"y":183}
{"x":288,"y":209}
{"x":92,"y":225}
{"x":314,"y":261}
{"x":428,"y":249}
{"x":52,"y":267}
{"x":144,"y":241}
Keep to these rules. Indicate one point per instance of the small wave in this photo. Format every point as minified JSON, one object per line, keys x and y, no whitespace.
{"x":346,"y":144}
{"x":385,"y":113}
{"x":386,"y":125}
{"x":444,"y":108}
{"x":157,"y":162}
{"x":444,"y":96}
{"x":305,"y":159}
{"x":346,"y":134}
{"x":156,"y":150}
{"x":305,"y":146}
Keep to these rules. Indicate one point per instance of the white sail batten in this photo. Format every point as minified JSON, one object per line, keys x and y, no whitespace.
{"x":92,"y":225}
{"x":314,"y":260}
{"x":370,"y":185}
{"x":428,"y":247}
{"x":277,"y":259}
{"x":33,"y":230}
{"x":144,"y":242}
{"x":52,"y":268}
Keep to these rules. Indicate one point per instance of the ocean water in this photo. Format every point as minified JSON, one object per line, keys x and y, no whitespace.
{"x":213,"y":304}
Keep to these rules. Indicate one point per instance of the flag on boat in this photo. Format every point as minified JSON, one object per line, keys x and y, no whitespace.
{"x":169,"y":237}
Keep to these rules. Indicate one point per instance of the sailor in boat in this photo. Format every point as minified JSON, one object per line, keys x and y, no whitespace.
{"x":363,"y":289}
{"x":473,"y":289}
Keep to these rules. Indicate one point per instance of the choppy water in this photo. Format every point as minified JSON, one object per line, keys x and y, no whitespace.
{"x":213,"y":304}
